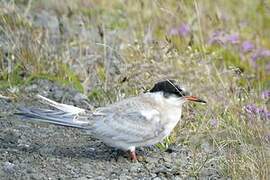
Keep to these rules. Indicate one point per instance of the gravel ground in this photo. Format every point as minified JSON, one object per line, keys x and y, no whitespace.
{"x":42,"y":151}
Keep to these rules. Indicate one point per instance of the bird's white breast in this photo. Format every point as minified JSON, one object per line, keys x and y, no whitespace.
{"x":170,"y":110}
{"x":172,"y":119}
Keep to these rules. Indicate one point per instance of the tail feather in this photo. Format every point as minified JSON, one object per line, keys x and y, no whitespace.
{"x":63,"y":107}
{"x":65,"y":115}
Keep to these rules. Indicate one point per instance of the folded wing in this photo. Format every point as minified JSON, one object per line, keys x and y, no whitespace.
{"x":136,"y":126}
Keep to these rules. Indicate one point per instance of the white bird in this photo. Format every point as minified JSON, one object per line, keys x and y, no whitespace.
{"x":133,"y":122}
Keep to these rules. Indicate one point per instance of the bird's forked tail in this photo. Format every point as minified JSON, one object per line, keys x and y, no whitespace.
{"x":63,"y":114}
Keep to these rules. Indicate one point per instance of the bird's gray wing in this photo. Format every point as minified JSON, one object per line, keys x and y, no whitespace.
{"x":129,"y":126}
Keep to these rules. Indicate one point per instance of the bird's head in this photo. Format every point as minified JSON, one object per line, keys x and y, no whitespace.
{"x":170,"y":89}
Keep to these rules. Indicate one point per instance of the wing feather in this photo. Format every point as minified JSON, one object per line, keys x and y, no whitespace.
{"x":135,"y":126}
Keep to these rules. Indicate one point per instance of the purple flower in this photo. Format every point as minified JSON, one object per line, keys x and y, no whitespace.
{"x":232,"y":38}
{"x":255,"y":56}
{"x":265,"y":94}
{"x":265,"y":53}
{"x":255,"y":111}
{"x":267,"y":68}
{"x":260,"y":53}
{"x":183,"y":30}
{"x":251,"y":108}
{"x":268,"y":115}
{"x":214,"y":123}
{"x":173,"y":32}
{"x":217,"y":37}
{"x":217,"y":33}
{"x":220,"y":37}
{"x":247,"y":46}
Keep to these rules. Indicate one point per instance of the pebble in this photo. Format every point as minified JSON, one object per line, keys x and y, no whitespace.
{"x":167,"y":158}
{"x":35,"y":176}
{"x":31,"y":88}
{"x":58,"y":94}
{"x":83,"y":178}
{"x":135,"y":167}
{"x":9,"y":167}
{"x":79,"y":97}
{"x":124,"y":177}
{"x":206,"y":147}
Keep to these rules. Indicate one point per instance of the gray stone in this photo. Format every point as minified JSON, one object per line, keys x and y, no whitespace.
{"x":8,"y":167}
{"x":79,"y":97}
{"x":135,"y":167}
{"x":82,"y":178}
{"x":58,"y":94}
{"x":124,"y":177}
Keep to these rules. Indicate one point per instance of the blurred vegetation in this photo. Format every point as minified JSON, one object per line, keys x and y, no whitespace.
{"x":113,"y":49}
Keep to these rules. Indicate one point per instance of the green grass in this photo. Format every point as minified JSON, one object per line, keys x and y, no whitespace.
{"x":134,"y":36}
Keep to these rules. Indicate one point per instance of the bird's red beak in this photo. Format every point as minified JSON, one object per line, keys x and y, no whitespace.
{"x":195,"y":99}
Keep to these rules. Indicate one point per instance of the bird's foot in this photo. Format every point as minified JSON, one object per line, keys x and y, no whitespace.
{"x":133,"y":156}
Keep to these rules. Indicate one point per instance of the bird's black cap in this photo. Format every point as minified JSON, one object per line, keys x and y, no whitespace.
{"x":168,"y":87}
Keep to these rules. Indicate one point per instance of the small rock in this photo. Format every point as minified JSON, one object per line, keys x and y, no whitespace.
{"x":167,"y":158}
{"x":31,"y":88}
{"x":124,"y":177}
{"x":122,"y":159}
{"x":135,"y":167}
{"x":86,"y":166}
{"x":162,"y":170}
{"x":23,"y":145}
{"x":58,"y":94}
{"x":206,"y":147}
{"x":82,"y":178}
{"x":150,"y":159}
{"x":150,"y":166}
{"x":79,"y":97}
{"x":100,"y":178}
{"x":29,"y":171}
{"x":9,"y":167}
{"x":37,"y":176}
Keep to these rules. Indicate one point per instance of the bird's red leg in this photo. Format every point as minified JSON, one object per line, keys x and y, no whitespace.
{"x":133,"y":155}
